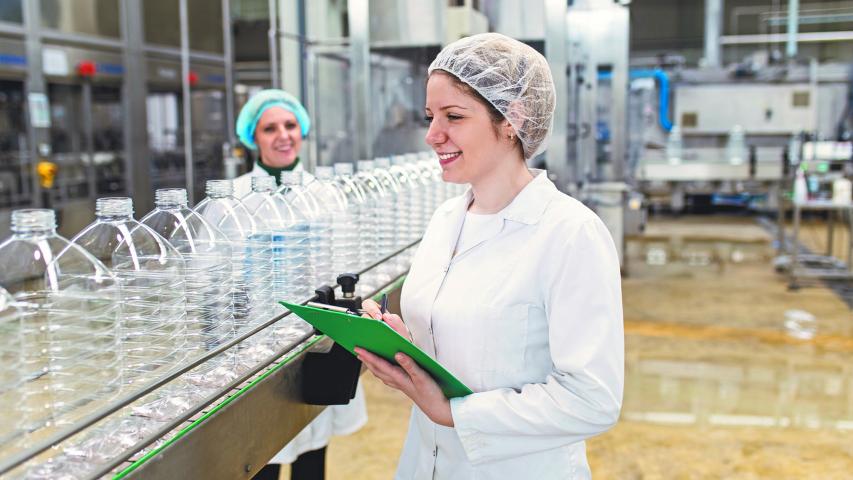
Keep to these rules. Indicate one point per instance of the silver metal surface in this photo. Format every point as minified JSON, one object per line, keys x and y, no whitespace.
{"x":793,"y":28}
{"x":35,"y":84}
{"x":135,"y":114}
{"x":239,"y":439}
{"x":598,"y":42}
{"x":556,"y":158}
{"x":359,"y":71}
{"x":406,"y":23}
{"x":187,"y":101}
{"x":275,"y":71}
{"x":802,"y":37}
{"x":713,"y":30}
{"x":758,"y":107}
{"x":229,"y":72}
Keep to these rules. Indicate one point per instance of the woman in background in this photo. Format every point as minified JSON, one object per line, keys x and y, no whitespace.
{"x":274,"y":123}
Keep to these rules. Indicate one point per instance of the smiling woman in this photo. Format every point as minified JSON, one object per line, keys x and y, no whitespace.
{"x":515,"y":286}
{"x":273,"y":123}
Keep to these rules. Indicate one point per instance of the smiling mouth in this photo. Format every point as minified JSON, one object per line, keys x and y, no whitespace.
{"x":446,"y":158}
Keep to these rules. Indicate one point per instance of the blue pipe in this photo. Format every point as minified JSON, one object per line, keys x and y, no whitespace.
{"x":663,"y":91}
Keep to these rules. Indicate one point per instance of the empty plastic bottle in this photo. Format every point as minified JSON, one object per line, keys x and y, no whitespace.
{"x":344,"y":226}
{"x":281,"y":226}
{"x":405,"y":232}
{"x":70,"y":325}
{"x":151,"y":274}
{"x":421,"y":190}
{"x":389,"y":207}
{"x":372,"y":214}
{"x":11,"y":372}
{"x":303,"y":199}
{"x":208,"y":282}
{"x":250,"y":265}
{"x":357,"y":209}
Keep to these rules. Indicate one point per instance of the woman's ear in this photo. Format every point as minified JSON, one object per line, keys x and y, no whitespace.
{"x":515,"y":116}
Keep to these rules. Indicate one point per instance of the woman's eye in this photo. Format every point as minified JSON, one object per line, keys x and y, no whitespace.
{"x":290,"y":126}
{"x":427,"y":118}
{"x":453,"y":117}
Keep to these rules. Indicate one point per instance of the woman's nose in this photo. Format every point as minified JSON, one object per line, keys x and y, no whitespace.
{"x":435,"y":134}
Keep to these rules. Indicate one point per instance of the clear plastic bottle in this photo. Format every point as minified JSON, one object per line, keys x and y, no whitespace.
{"x":70,"y":326}
{"x":11,"y":374}
{"x":405,"y":201}
{"x":319,"y":227}
{"x":295,"y":247}
{"x":250,"y":266}
{"x":356,"y":206}
{"x":389,"y":207}
{"x":208,"y":282}
{"x":674,"y":146}
{"x":151,"y":275}
{"x":373,"y":213}
{"x":344,"y":227}
{"x":421,"y":190}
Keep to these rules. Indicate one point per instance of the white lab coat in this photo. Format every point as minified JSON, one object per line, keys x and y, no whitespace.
{"x":531,"y":320}
{"x":334,"y":420}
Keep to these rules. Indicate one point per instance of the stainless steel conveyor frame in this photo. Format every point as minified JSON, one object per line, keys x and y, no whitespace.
{"x":232,"y":433}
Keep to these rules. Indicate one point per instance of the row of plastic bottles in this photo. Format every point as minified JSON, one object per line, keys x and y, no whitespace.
{"x":86,"y":319}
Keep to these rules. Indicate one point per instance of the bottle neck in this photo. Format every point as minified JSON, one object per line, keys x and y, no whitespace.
{"x":33,"y":222}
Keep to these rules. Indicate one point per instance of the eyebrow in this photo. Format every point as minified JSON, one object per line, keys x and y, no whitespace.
{"x":449,"y":106}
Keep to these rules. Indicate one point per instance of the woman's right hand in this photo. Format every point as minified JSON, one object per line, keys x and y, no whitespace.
{"x":372,"y":309}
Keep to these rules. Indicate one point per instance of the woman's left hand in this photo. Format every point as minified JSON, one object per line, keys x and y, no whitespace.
{"x":413,"y":381}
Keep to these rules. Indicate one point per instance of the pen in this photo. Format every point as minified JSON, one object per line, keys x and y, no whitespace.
{"x":383,"y":304}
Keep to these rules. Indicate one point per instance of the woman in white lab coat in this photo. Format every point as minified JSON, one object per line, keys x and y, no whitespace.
{"x":515,"y":287}
{"x":274,"y":123}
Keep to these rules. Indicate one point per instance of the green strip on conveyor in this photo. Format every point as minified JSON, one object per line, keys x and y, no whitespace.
{"x":290,"y":356}
{"x":284,"y":361}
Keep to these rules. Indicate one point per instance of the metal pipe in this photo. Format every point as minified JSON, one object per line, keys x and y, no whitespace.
{"x":556,"y":156}
{"x":228,"y":52}
{"x":89,"y":137}
{"x":806,"y":37}
{"x":273,"y":33}
{"x":793,"y":28}
{"x":361,"y":122}
{"x":34,"y":86}
{"x":713,"y":30}
{"x":187,"y":101}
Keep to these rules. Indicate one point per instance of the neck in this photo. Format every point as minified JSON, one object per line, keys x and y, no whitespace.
{"x":275,"y":172}
{"x":495,"y":191}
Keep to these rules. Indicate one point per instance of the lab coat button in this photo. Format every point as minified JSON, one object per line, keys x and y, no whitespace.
{"x":435,"y":452}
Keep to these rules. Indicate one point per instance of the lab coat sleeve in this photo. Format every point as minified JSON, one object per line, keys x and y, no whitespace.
{"x":582,"y":395}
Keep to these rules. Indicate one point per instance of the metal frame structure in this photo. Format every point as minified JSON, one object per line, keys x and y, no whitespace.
{"x":135,"y":55}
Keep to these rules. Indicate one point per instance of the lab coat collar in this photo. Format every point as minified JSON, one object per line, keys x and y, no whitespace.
{"x":527,"y":207}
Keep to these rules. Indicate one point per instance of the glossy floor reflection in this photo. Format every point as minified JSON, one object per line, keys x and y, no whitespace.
{"x":718,"y":383}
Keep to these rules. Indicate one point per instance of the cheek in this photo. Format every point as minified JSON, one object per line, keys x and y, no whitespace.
{"x":296,"y":137}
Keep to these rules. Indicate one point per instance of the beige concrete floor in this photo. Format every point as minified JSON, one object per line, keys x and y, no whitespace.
{"x":716,"y":385}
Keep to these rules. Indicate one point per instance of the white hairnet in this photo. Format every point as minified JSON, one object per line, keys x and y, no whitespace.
{"x":512,"y":76}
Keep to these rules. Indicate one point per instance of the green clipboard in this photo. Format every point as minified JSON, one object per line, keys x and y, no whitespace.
{"x":377,"y":337}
